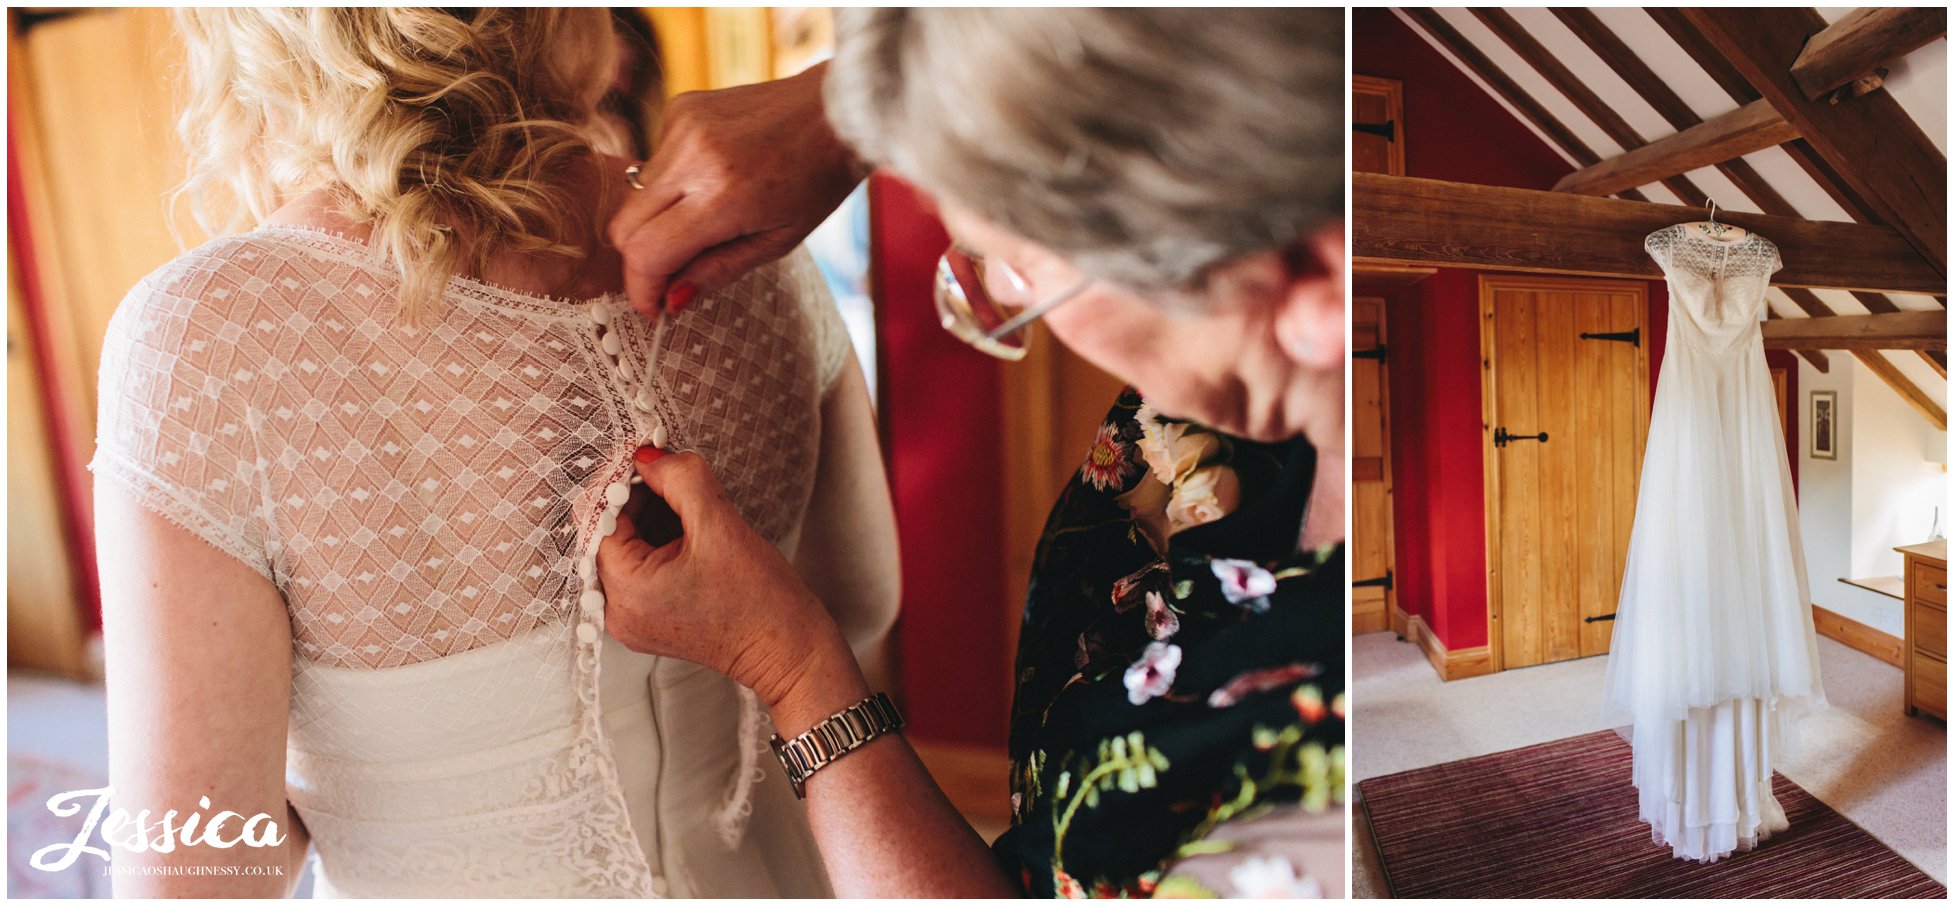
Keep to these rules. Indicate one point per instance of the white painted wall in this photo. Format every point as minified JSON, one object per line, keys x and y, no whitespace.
{"x":1879,"y":494}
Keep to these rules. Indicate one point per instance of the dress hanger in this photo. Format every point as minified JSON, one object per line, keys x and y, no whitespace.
{"x":1715,"y":230}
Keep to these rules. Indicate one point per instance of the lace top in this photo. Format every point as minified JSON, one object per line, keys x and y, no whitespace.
{"x":423,"y":493}
{"x":1716,"y":286}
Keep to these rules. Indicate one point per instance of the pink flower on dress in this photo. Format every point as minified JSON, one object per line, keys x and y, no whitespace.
{"x":1254,"y":681}
{"x":1161,"y":621}
{"x":1127,"y":590}
{"x":1068,"y":887}
{"x":1109,"y":462}
{"x":1153,"y":674}
{"x":1243,"y":581}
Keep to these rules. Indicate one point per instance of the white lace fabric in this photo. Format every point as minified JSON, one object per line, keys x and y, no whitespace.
{"x":421,"y":496}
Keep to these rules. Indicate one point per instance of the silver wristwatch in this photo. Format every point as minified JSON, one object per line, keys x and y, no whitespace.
{"x":837,"y":736}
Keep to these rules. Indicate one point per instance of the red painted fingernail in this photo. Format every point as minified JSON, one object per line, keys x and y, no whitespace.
{"x":649,"y":454}
{"x":680,"y":296}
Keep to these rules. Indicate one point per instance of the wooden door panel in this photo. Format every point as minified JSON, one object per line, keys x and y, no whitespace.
{"x":1372,"y":539}
{"x":1562,"y":508}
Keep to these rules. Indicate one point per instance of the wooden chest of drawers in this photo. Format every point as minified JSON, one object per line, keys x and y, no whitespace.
{"x":1926,"y":628}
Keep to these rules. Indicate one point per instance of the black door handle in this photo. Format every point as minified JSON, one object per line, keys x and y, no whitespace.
{"x":1501,"y":437}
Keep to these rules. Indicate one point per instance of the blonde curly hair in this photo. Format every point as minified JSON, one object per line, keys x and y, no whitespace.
{"x":441,"y":129}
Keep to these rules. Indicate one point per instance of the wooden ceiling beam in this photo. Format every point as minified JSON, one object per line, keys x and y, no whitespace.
{"x":1752,"y":127}
{"x":1870,"y":141}
{"x":1629,"y":66}
{"x":1733,"y":84}
{"x":1503,"y":85}
{"x":1405,"y":220}
{"x":1503,"y":26}
{"x":1908,"y":390}
{"x":1861,"y":41}
{"x":1921,"y":330}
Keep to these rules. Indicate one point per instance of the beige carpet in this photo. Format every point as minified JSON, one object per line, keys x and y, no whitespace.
{"x":1879,"y":768}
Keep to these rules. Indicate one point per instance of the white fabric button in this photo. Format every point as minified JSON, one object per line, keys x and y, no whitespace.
{"x":617,"y":493}
{"x":626,"y":370}
{"x":599,"y":313}
{"x":606,"y":523}
{"x":592,"y":601}
{"x":586,"y":632}
{"x":587,"y":567}
{"x":659,"y":436}
{"x":611,"y":343}
{"x":637,"y":479}
{"x":659,"y":885}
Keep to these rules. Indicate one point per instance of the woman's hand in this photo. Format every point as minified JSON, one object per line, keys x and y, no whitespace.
{"x":740,"y":176}
{"x":721,"y":595}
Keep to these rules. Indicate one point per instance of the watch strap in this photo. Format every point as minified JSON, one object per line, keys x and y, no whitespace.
{"x":834,"y":737}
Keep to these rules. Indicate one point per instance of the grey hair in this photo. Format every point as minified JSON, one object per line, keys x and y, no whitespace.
{"x":1144,"y":145}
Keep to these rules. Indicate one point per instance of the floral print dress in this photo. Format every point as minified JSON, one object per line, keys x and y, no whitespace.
{"x":1180,"y":664}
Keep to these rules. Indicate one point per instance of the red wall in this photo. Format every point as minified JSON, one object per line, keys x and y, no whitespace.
{"x":939,"y":406}
{"x":1454,"y":131}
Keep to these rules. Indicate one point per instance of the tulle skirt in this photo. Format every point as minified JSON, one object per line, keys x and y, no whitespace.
{"x":1713,"y":658}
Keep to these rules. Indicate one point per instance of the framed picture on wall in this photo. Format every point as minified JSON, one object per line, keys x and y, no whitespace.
{"x":1825,"y":424}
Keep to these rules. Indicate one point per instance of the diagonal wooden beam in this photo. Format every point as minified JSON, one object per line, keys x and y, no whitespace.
{"x":1861,"y":41}
{"x":1405,"y":220}
{"x":1870,"y":141}
{"x":1508,"y":30}
{"x":1752,"y":127}
{"x":1629,"y":66}
{"x":1908,"y":390}
{"x":1936,"y":360}
{"x":1814,"y":356}
{"x":1475,"y":62}
{"x":1921,"y":330}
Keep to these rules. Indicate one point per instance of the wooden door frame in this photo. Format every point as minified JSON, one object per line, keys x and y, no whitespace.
{"x":1488,"y":416}
{"x":1395,"y":619}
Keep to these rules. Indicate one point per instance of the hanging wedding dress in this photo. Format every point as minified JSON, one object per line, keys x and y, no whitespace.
{"x":1714,"y":659}
{"x":427,"y":499}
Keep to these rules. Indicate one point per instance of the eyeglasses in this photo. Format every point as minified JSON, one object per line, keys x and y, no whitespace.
{"x":988,"y":304}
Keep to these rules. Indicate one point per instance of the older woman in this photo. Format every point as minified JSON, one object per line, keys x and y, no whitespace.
{"x":1164,"y":189}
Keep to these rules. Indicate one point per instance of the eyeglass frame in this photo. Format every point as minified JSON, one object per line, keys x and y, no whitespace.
{"x":990,"y":341}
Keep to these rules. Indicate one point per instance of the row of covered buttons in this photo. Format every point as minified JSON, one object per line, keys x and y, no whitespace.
{"x":615,"y":495}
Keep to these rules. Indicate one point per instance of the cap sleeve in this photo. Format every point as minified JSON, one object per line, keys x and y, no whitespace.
{"x":1658,"y":245}
{"x":174,"y":423}
{"x":827,"y":332}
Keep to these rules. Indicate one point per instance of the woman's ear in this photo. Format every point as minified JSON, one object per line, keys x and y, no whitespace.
{"x":1309,"y":319}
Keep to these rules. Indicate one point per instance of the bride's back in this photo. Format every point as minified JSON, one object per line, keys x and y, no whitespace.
{"x":351,"y":401}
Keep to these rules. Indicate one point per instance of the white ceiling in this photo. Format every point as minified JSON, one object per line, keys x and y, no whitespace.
{"x":1918,"y":82}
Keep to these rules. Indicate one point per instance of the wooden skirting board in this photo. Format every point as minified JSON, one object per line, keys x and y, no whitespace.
{"x":1858,"y":636}
{"x":1450,"y":665}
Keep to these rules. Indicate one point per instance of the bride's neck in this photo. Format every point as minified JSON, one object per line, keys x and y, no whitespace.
{"x":595,"y":192}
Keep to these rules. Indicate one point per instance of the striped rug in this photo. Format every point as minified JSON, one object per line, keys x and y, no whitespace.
{"x":1559,"y":820}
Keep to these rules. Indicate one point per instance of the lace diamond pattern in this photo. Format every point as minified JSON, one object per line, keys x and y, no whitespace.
{"x":420,"y":493}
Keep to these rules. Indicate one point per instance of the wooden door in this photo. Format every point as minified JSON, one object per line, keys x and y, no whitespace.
{"x":1376,"y":125}
{"x":1373,"y":604}
{"x":1566,"y":407}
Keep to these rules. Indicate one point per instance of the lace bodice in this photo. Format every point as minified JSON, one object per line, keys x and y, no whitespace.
{"x":1716,"y":286}
{"x":422,"y":492}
